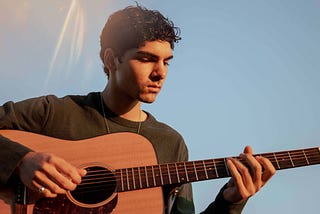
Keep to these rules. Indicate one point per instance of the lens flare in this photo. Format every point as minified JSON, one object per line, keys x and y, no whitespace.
{"x":70,"y":38}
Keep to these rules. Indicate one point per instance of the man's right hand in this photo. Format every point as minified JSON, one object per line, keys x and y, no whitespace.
{"x":48,"y":174}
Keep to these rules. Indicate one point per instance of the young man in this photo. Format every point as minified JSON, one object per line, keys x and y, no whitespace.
{"x":136,"y":48}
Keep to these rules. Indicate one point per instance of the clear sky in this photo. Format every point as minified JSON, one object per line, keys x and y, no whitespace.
{"x":244,"y":73}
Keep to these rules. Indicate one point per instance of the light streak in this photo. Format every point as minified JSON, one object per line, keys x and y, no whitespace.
{"x":74,"y":21}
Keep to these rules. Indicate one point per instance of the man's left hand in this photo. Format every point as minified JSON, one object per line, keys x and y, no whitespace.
{"x":247,"y":180}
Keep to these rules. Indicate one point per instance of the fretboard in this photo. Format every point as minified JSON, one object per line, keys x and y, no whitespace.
{"x":192,"y":171}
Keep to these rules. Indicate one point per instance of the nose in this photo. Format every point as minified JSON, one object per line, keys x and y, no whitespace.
{"x":159,"y":71}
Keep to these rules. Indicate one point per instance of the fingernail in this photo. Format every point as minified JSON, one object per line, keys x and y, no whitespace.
{"x":84,"y":172}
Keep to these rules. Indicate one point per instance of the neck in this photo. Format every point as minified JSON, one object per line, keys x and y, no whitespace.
{"x":125,"y":108}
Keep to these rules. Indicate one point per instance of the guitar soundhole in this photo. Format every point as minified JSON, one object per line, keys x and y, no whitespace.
{"x":97,"y":186}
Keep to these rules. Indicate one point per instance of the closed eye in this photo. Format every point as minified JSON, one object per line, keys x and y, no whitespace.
{"x":166,"y":63}
{"x":146,"y":59}
{"x":143,"y":56}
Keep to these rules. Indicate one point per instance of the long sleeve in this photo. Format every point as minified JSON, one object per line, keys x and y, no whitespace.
{"x":10,"y":155}
{"x":218,"y":206}
{"x":15,"y":116}
{"x":221,"y":206}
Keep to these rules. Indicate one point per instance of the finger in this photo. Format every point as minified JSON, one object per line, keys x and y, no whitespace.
{"x":49,"y":183}
{"x":62,"y":181}
{"x":66,"y":174}
{"x":269,"y":169}
{"x":72,"y":173}
{"x":255,"y":169}
{"x":248,"y":150}
{"x":42,"y":190}
{"x":82,"y":172}
{"x":243,"y":171}
{"x":241,"y":177}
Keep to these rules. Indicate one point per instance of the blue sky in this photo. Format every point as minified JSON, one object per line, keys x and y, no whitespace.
{"x":244,"y":73}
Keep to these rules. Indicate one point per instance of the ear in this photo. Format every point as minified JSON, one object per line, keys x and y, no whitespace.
{"x":109,"y":60}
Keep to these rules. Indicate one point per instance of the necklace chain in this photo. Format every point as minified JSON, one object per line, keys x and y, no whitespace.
{"x":106,"y":120}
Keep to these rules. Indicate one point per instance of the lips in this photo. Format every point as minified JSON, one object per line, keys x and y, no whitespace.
{"x":154,"y":88}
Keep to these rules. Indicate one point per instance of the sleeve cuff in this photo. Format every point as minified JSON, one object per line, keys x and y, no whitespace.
{"x":222,"y":206}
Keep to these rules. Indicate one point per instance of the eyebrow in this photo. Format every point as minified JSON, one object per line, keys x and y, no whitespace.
{"x":148,"y":54}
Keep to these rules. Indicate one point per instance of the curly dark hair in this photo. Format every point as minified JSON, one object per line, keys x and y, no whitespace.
{"x":132,"y":26}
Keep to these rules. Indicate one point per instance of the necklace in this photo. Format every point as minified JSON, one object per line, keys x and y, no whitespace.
{"x":106,"y":120}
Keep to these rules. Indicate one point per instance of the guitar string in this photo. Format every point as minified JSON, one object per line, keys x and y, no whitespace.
{"x":218,"y":163}
{"x":297,"y":157}
{"x":130,"y":185}
{"x":106,"y":120}
{"x":208,"y":165}
{"x":221,"y":163}
{"x":172,"y":170}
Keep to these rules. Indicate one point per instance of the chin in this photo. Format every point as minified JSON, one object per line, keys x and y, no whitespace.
{"x":147,"y":99}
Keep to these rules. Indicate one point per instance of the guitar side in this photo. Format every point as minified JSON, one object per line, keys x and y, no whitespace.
{"x":116,"y":151}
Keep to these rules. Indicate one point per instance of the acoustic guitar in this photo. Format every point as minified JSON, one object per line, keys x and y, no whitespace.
{"x":123,"y":174}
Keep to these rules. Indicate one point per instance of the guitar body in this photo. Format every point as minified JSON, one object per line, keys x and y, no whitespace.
{"x":110,"y":152}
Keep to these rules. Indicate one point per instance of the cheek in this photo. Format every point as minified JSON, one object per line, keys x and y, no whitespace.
{"x":129,"y":78}
{"x":140,"y":71}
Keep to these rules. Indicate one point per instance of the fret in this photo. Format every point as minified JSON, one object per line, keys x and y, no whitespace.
{"x":128,"y":183}
{"x":124,"y":179}
{"x":121,"y":177}
{"x":146,"y":173}
{"x":291,"y":159}
{"x":205,"y":169}
{"x":195,"y":170}
{"x":215,"y":168}
{"x":275,"y":158}
{"x":161,"y":178}
{"x":140,"y":181}
{"x":305,"y":156}
{"x":153,"y":176}
{"x":164,"y":174}
{"x":133,"y":179}
{"x":177,"y":172}
{"x":186,"y":171}
{"x":225,"y":165}
{"x":169,"y":174}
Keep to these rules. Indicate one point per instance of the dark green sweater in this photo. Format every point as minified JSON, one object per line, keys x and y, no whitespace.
{"x":81,"y":117}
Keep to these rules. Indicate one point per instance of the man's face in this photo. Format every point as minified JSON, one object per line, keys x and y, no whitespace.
{"x":141,"y":72}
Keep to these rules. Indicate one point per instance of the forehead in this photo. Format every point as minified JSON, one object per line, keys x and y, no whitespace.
{"x":161,"y":49}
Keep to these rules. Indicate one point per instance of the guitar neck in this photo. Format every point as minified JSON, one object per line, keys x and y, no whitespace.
{"x":192,"y":171}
